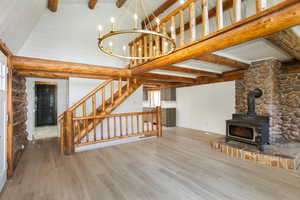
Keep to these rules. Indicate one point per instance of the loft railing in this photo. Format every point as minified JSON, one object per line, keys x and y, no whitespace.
{"x":185,"y":32}
{"x":117,"y":126}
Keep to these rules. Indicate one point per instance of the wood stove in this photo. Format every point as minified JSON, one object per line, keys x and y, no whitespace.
{"x":249,"y":128}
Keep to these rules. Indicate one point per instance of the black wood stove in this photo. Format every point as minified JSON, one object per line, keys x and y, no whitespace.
{"x":249,"y":128}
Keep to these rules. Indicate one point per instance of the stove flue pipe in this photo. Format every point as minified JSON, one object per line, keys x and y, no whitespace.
{"x":251,"y":100}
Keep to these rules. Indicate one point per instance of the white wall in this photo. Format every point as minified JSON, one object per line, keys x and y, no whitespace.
{"x":62,"y":100}
{"x":206,"y":107}
{"x":3,"y":162}
{"x":17,"y":19}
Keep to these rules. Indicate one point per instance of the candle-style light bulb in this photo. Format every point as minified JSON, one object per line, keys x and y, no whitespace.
{"x":181,"y":2}
{"x":135,"y":17}
{"x":157,"y":20}
{"x":124,"y":50}
{"x":100,"y":28}
{"x":113,"y":21}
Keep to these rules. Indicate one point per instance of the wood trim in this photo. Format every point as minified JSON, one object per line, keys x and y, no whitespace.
{"x":161,"y":9}
{"x":120,"y":3}
{"x":35,"y":64}
{"x":189,"y":71}
{"x":4,"y":49}
{"x":53,"y":5}
{"x":286,"y":15}
{"x":10,"y":126}
{"x":212,"y":58}
{"x":45,"y":83}
{"x":154,"y":76}
{"x":92,"y":4}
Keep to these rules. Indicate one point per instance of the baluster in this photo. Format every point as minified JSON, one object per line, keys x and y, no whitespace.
{"x":94,"y":113}
{"x":134,"y":53}
{"x":103,"y":99}
{"x":120,"y":87}
{"x":205,"y":18}
{"x":85,"y":122}
{"x":108,"y":128}
{"x":192,"y":22}
{"x":157,"y":43}
{"x":126,"y":118}
{"x":148,"y":127}
{"x":112,"y":92}
{"x":173,"y":28}
{"x":152,"y":122}
{"x":138,"y":124}
{"x":150,"y":45}
{"x":121,"y":131}
{"x":181,"y":36}
{"x":128,"y":84}
{"x":237,"y":10}
{"x":130,"y":54}
{"x":145,"y":47}
{"x":164,"y":43}
{"x":115,"y":127}
{"x":78,"y":131}
{"x":132,"y":131}
{"x":102,"y":129}
{"x":143,"y":124}
{"x":220,"y":23}
{"x":139,"y":47}
{"x":261,"y":5}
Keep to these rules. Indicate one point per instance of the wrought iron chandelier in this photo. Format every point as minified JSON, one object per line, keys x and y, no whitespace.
{"x":135,"y":42}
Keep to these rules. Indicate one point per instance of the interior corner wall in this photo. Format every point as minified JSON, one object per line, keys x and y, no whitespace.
{"x":206,"y":107}
{"x":62,"y":100}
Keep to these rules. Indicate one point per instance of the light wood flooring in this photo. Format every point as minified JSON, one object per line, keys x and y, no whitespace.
{"x":180,"y":165}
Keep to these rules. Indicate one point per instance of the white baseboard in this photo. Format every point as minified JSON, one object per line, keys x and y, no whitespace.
{"x":111,"y":143}
{"x":3,"y":177}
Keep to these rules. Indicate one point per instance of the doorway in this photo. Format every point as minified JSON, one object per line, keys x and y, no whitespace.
{"x":45,"y":109}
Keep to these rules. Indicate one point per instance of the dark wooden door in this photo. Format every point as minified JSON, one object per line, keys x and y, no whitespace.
{"x":46,"y":113}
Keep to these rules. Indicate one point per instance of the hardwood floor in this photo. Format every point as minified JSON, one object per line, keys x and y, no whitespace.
{"x":180,"y":165}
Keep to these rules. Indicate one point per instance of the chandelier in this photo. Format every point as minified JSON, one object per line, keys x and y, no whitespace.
{"x":125,"y":37}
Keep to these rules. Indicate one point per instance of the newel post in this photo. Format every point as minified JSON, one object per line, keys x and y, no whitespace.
{"x":68,"y":133}
{"x":159,"y":123}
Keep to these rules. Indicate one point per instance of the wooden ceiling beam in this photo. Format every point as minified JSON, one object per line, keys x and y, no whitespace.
{"x":190,"y":71}
{"x":92,"y":4}
{"x":35,"y":64}
{"x":53,"y":5}
{"x":220,"y":60}
{"x":4,"y":49}
{"x":161,"y":9}
{"x":169,"y":78}
{"x":285,"y":14}
{"x":120,"y":3}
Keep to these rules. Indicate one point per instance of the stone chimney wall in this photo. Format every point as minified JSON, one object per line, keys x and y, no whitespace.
{"x":280,"y":100}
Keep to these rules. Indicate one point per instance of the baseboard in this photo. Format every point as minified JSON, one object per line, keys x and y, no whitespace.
{"x":3,"y":177}
{"x":111,"y":143}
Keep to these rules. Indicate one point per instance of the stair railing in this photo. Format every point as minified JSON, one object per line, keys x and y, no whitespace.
{"x":119,"y":126}
{"x":184,"y":32}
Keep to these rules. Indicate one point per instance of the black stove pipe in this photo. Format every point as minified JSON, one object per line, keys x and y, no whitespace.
{"x":251,"y":100}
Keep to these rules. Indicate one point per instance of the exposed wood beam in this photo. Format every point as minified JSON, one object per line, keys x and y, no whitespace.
{"x":190,"y":71}
{"x":285,"y":14}
{"x":120,"y":3}
{"x":153,"y":76}
{"x":161,"y":9}
{"x":288,"y":41}
{"x":53,"y":5}
{"x":212,"y":58}
{"x":4,"y":49}
{"x":35,"y":64}
{"x":234,"y":72}
{"x":92,"y":4}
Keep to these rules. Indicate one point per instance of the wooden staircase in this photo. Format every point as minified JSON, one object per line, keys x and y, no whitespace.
{"x":101,"y":101}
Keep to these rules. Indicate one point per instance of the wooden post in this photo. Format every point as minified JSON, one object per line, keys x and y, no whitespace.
{"x":192,"y":22}
{"x":181,"y":36}
{"x":69,"y":133}
{"x":261,"y":5}
{"x":173,"y":28}
{"x":237,"y":10}
{"x":205,"y":18}
{"x":159,"y":123}
{"x":219,"y":6}
{"x":10,"y":126}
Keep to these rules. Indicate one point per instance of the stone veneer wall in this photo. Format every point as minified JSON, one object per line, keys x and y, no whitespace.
{"x":290,"y":106}
{"x":20,"y":115}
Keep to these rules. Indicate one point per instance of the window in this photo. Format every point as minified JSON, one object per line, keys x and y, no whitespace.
{"x":154,"y":98}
